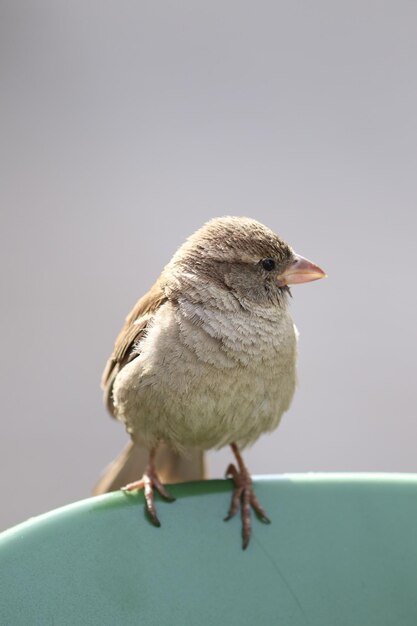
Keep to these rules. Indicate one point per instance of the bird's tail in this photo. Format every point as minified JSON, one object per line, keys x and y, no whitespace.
{"x":170,"y":466}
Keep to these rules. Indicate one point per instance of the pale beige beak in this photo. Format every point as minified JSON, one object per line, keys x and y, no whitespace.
{"x":301,"y":271}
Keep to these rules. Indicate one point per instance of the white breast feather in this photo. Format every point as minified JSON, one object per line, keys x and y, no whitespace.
{"x":205,"y":377}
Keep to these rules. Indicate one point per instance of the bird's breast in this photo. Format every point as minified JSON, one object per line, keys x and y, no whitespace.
{"x":205,"y":377}
{"x":227,"y":338}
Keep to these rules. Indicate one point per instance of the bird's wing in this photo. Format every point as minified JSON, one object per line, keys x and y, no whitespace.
{"x":134,"y":326}
{"x":171,"y":466}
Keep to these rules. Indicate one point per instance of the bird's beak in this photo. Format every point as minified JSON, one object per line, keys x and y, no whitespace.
{"x":300,"y":271}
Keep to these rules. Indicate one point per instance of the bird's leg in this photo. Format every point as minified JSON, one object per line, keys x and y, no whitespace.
{"x":243,"y":496}
{"x":148,"y":483}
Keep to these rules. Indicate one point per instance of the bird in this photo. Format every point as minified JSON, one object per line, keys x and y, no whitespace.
{"x":206,"y":359}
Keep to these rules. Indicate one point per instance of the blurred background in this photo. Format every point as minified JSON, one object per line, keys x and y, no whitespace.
{"x":125,"y":126}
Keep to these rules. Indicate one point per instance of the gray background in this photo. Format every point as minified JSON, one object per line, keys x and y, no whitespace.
{"x":126,"y":125}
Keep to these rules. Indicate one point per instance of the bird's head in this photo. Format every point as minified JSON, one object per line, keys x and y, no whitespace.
{"x":244,"y":257}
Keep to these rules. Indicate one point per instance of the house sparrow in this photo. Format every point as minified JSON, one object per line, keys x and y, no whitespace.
{"x":207,"y":358}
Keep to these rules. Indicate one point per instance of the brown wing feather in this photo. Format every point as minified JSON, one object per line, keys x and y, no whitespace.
{"x":133,"y":328}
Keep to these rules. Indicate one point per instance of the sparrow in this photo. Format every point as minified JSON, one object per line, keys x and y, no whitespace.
{"x":206,"y":359}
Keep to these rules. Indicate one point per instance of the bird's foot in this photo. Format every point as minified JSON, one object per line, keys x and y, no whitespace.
{"x":149,"y":482}
{"x":244,"y":497}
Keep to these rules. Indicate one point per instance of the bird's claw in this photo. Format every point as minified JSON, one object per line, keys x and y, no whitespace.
{"x":244,"y":497}
{"x":149,"y":482}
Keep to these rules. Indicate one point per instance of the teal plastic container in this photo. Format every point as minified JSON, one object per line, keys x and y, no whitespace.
{"x":341,"y":551}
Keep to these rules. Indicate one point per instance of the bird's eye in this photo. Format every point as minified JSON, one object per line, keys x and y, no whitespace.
{"x":268,"y":264}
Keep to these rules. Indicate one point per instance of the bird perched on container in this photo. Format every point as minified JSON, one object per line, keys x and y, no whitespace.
{"x":206,"y":359}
